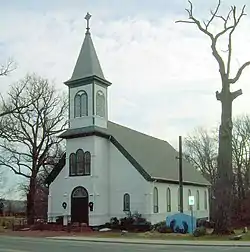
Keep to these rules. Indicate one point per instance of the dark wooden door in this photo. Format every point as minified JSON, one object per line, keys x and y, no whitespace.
{"x":80,"y":206}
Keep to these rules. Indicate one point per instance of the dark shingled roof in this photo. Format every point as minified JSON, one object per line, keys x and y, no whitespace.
{"x":155,"y":159}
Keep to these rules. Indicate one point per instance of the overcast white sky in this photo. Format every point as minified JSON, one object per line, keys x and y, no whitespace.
{"x":164,"y":76}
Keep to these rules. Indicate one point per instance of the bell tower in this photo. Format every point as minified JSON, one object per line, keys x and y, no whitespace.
{"x":88,"y":88}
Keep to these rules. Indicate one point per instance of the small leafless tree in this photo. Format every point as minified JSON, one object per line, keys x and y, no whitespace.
{"x":224,"y":181}
{"x":28,"y":134}
{"x":201,"y":150}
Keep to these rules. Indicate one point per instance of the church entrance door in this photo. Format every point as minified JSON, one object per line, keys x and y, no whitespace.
{"x":80,"y":205}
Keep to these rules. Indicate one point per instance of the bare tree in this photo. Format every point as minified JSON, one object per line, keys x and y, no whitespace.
{"x":7,"y":68}
{"x":200,"y":149}
{"x":41,"y":195}
{"x":28,"y":134}
{"x":241,"y":158}
{"x":226,"y":97}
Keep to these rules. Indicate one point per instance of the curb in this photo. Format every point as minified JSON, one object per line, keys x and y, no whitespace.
{"x":153,"y":242}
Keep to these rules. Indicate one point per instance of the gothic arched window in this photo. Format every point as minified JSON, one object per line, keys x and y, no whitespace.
{"x":179,"y":199}
{"x":100,"y":103}
{"x":126,"y":202}
{"x":80,"y":162}
{"x":72,"y":164}
{"x":156,"y":201}
{"x":198,"y":200}
{"x":168,"y":200}
{"x":81,"y":104}
{"x":189,"y":194}
{"x":87,"y":163}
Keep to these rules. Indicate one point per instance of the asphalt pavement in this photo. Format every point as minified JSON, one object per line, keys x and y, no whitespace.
{"x":18,"y":244}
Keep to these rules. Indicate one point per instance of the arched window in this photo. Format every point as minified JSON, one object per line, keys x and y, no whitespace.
{"x":87,"y":162}
{"x":168,"y":200}
{"x":126,"y":202}
{"x":84,"y":104}
{"x":79,"y":192}
{"x":155,"y":199}
{"x":72,"y":164}
{"x":179,"y":199}
{"x":100,"y":103}
{"x":197,"y":200}
{"x":81,"y":104}
{"x":77,"y":105}
{"x":205,"y":200}
{"x":80,"y":162}
{"x":189,"y":194}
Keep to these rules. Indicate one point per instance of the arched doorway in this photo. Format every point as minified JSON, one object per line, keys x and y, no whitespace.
{"x":80,"y":205}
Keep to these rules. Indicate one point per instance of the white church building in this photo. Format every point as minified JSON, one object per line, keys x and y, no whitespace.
{"x":109,"y":170}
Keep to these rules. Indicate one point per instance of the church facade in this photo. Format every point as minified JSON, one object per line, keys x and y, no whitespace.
{"x":109,"y":170}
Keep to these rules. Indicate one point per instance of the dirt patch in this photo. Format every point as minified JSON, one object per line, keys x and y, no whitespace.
{"x":30,"y":233}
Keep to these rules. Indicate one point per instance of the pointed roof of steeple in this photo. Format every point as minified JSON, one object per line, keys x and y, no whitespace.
{"x":87,"y":64}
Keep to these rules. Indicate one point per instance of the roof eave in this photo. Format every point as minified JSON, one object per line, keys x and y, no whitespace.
{"x":88,"y":79}
{"x":163,"y":180}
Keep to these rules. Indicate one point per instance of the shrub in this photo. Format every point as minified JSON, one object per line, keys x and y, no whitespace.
{"x":114,"y":223}
{"x":161,"y":227}
{"x":135,"y":222}
{"x":200,"y":231}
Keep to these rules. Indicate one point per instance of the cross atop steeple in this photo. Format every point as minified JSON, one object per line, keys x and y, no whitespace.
{"x":87,"y":64}
{"x":87,"y":17}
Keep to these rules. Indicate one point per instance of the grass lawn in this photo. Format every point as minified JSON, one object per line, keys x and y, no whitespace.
{"x":156,"y":235}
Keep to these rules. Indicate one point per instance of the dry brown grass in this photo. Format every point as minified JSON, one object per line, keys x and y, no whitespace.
{"x":7,"y":222}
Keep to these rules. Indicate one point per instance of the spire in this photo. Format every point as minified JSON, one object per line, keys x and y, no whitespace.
{"x":87,"y":64}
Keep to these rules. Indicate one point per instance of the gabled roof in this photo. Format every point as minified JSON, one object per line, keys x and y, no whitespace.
{"x":87,"y":64}
{"x":155,"y":159}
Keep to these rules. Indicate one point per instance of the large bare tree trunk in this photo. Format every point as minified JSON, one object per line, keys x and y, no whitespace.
{"x":224,"y":182}
{"x":31,"y":202}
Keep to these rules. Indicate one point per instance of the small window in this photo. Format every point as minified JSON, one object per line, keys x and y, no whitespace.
{"x":80,"y":162}
{"x":189,"y":194}
{"x":205,"y":200}
{"x":77,"y":105}
{"x":87,"y":162}
{"x":179,"y":199}
{"x":81,"y":104}
{"x":198,"y":200}
{"x":168,"y":200}
{"x":126,"y":202}
{"x":100,"y":104}
{"x":72,"y":164}
{"x":84,"y":104}
{"x":155,"y":198}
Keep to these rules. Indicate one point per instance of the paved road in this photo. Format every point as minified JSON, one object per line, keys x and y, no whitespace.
{"x":16,"y":244}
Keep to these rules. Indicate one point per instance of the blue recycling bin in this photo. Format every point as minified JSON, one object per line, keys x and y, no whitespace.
{"x":181,"y":223}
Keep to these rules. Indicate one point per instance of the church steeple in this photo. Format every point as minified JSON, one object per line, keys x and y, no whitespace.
{"x":87,"y":64}
{"x":88,"y":89}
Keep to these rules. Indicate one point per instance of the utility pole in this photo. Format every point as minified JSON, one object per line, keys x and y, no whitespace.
{"x":180,"y":175}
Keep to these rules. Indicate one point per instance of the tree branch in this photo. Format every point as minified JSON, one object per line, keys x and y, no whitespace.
{"x":5,"y":69}
{"x":218,"y":95}
{"x":224,"y":71}
{"x":236,"y":78}
{"x":235,"y":94}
